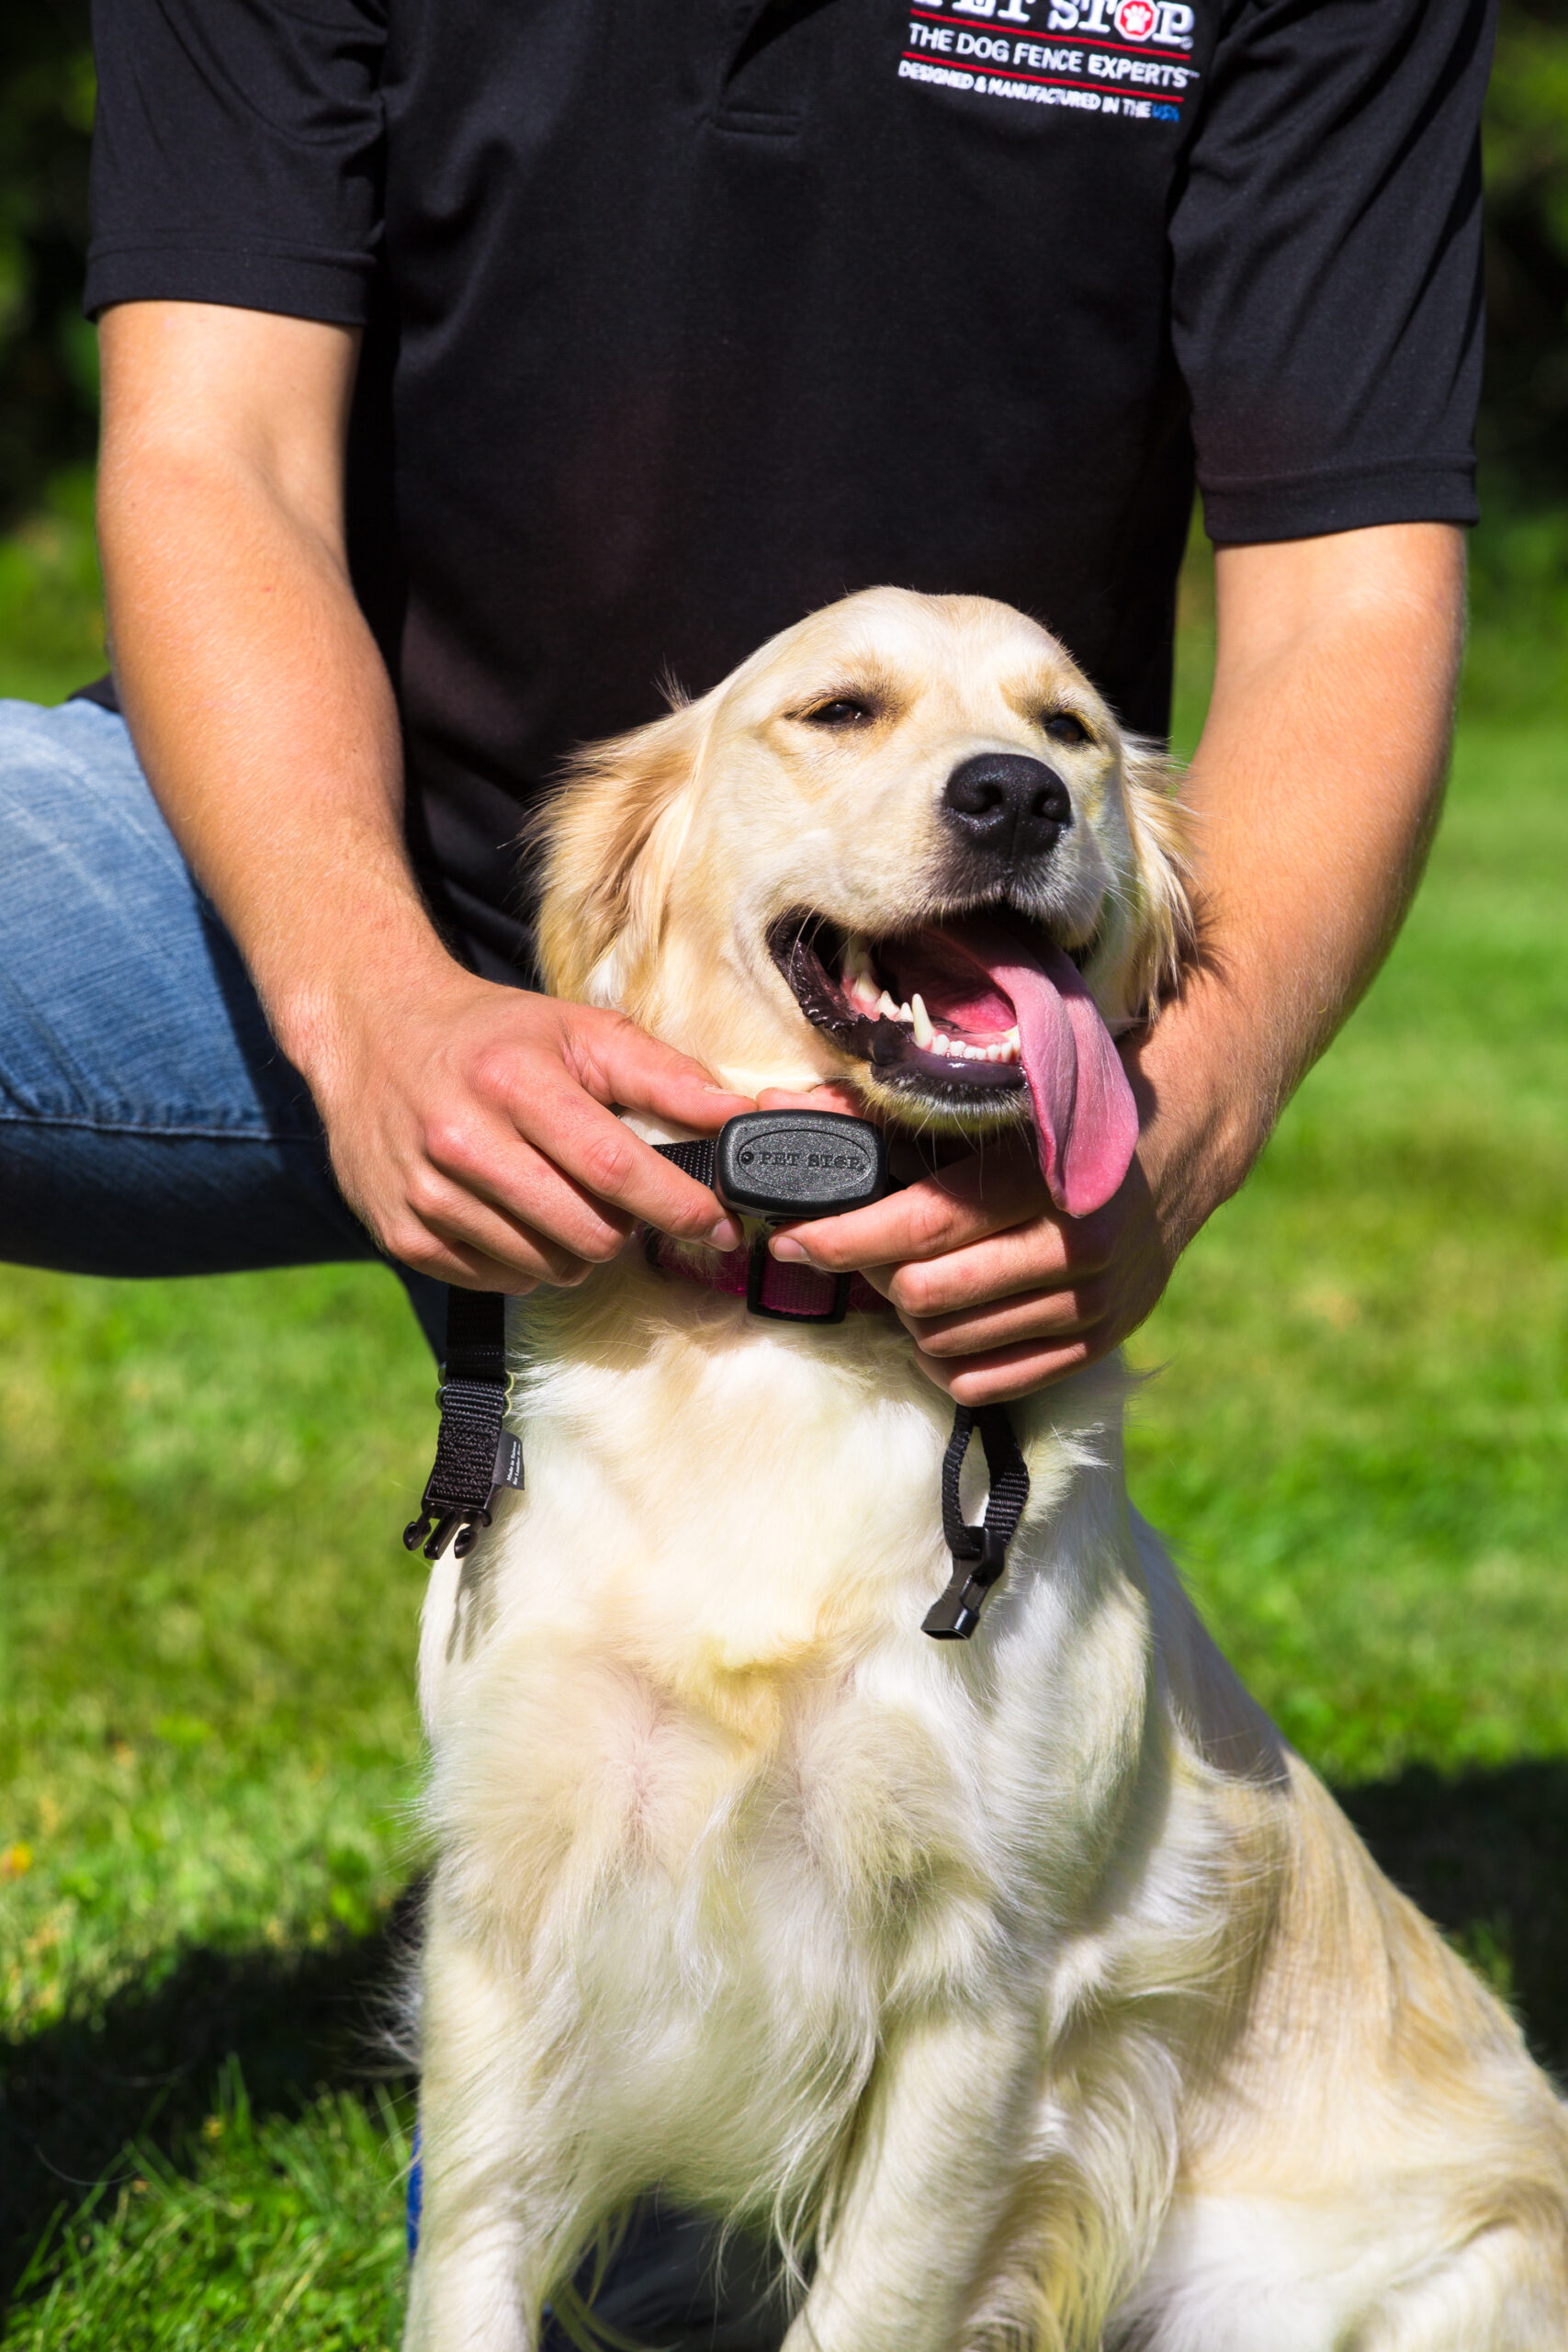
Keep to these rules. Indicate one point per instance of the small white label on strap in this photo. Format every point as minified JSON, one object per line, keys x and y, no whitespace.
{"x":508,"y":1460}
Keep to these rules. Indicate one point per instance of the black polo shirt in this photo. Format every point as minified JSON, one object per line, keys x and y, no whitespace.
{"x":683,"y":317}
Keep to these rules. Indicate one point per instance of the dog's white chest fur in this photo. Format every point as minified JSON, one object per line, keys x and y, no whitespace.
{"x":700,"y":1771}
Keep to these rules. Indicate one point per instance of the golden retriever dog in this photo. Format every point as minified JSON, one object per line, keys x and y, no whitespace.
{"x":1026,"y":1991}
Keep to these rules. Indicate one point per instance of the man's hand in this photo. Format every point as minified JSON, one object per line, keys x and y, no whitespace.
{"x":1314,"y":792}
{"x":1001,"y":1291}
{"x":469,"y":1131}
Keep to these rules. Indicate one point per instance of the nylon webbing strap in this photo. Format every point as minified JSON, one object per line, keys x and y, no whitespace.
{"x":474,"y":1453}
{"x":694,"y":1159}
{"x":979,"y":1553}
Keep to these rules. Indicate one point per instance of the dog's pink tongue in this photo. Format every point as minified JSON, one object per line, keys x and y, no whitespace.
{"x":1086,"y":1121}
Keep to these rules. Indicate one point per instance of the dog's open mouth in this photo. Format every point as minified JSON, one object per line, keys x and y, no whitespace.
{"x":983,"y":1016}
{"x":925,"y":1018}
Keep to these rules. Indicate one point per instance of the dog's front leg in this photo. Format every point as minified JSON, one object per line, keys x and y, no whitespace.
{"x":929,"y":2182}
{"x":504,"y":2194}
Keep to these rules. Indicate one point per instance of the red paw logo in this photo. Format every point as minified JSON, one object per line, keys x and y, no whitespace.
{"x":1135,"y":19}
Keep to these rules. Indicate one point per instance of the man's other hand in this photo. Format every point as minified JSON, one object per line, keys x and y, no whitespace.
{"x":471,"y":1130}
{"x":1001,"y":1291}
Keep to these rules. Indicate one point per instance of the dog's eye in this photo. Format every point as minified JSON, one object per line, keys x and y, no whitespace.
{"x":1063,"y":728}
{"x":843,"y":711}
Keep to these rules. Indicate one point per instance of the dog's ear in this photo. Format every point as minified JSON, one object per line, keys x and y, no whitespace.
{"x":1162,"y":929}
{"x":606,"y":843}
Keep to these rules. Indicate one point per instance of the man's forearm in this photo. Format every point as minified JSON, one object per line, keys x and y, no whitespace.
{"x":256,"y":695}
{"x":1313,"y":792}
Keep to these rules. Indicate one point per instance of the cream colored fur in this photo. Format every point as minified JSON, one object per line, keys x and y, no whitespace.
{"x":1030,"y":1989}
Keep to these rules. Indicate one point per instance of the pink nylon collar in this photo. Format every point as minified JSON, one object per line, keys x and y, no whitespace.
{"x":796,"y":1294}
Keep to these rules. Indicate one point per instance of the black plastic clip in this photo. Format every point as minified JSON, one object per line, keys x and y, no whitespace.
{"x":955,"y":1617}
{"x":464,"y":1524}
{"x":474,"y":1453}
{"x":437,"y":1525}
{"x":979,"y":1553}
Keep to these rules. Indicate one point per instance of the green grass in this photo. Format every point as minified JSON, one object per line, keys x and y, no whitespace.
{"x":270,"y":2235}
{"x":209,"y":1728}
{"x":208,"y":1738}
{"x":51,"y":632}
{"x":210,"y":1747}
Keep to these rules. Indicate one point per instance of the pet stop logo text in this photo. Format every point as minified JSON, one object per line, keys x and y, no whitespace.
{"x":1117,"y":56}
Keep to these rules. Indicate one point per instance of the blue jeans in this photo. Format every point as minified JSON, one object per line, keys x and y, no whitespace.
{"x":148,"y":1123}
{"x":150,"y":1126}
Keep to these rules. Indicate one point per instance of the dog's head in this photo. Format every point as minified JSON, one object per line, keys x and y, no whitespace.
{"x":880,"y":852}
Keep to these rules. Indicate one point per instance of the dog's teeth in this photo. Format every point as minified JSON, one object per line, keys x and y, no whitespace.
{"x":924,"y":1033}
{"x":904,"y":1014}
{"x":886,"y":1007}
{"x":860,"y":980}
{"x":1010,"y":1037}
{"x":939,"y":1044}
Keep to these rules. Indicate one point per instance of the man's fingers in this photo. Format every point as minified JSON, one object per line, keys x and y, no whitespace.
{"x":616,"y":1061}
{"x":477,"y":1250}
{"x":471,"y":1270}
{"x":835,"y":1096}
{"x":446,"y":1229}
{"x":1036,"y":1258}
{"x":562,"y":1162}
{"x":1053,"y":1317}
{"x":601,"y":1154}
{"x":998,"y":1377}
{"x":479,"y":1171}
{"x":973,"y":1199}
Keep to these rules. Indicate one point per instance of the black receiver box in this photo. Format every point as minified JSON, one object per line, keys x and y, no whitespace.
{"x":799,"y":1163}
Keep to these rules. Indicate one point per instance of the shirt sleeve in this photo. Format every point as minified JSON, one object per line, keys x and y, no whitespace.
{"x":237,"y":154}
{"x":1325,"y":292}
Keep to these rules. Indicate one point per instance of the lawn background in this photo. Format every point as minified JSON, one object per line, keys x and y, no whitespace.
{"x":208,"y":1740}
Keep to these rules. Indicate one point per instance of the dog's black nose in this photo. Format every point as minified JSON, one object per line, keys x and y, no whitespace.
{"x":1008,"y":804}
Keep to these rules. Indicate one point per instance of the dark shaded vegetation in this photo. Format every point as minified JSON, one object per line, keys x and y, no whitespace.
{"x":48,"y":356}
{"x":1524,"y":424}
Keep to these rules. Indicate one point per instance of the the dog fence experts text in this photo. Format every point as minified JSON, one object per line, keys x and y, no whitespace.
{"x":1129,"y":58}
